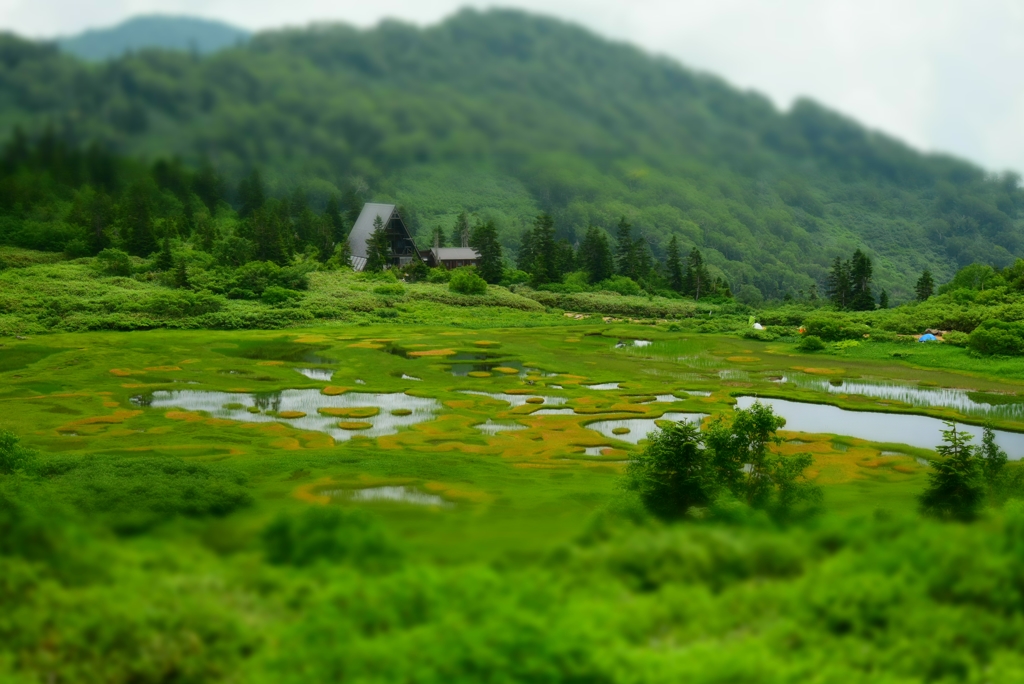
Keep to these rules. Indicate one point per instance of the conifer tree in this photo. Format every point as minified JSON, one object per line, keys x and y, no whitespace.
{"x":993,"y":458}
{"x":264,"y":228}
{"x":251,"y":195}
{"x":838,"y":287}
{"x":956,"y":487}
{"x":883,"y":300}
{"x":332,"y":215}
{"x":925,"y":286}
{"x":136,"y":221}
{"x":378,"y":247}
{"x":208,"y":185}
{"x":460,"y":231}
{"x":696,"y":278}
{"x":625,"y":249}
{"x":546,"y":254}
{"x":438,"y":238}
{"x":527,"y":250}
{"x":164,"y":258}
{"x":861,"y":298}
{"x":674,"y":266}
{"x":595,"y":256}
{"x":485,"y":242}
{"x":181,"y":280}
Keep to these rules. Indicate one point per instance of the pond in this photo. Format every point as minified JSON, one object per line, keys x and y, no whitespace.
{"x":896,"y":428}
{"x":261,"y":408}
{"x":395,"y":494}
{"x":316,"y":373}
{"x":518,"y":399}
{"x":492,"y":428}
{"x":604,"y":386}
{"x":638,"y":428}
{"x":464,"y":369}
{"x":965,"y":401}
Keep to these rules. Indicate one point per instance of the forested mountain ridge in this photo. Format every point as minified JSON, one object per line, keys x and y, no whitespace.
{"x":506,"y":115}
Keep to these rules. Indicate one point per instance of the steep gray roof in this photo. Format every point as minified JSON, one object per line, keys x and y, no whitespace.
{"x":455,"y":253}
{"x":363,"y":228}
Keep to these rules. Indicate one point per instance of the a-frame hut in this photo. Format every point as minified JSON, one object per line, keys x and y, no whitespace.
{"x":403,"y":249}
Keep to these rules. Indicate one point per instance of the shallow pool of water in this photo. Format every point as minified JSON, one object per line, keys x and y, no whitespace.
{"x":493,"y":428}
{"x":965,"y":401}
{"x":640,"y":427}
{"x":553,"y":412}
{"x":897,"y":428}
{"x":396,"y":494}
{"x":316,"y":373}
{"x":603,"y":386}
{"x":518,"y":399}
{"x":253,"y":408}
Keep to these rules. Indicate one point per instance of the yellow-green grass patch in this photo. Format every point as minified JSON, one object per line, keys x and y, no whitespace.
{"x":478,"y":374}
{"x":354,"y":425}
{"x":507,"y":370}
{"x":350,"y":412}
{"x":291,"y":414}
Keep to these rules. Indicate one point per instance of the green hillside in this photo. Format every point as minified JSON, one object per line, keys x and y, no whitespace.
{"x":505,"y":115}
{"x":154,"y":31}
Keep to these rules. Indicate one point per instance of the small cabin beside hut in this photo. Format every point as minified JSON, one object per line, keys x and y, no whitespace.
{"x":403,"y":249}
{"x":454,"y":257}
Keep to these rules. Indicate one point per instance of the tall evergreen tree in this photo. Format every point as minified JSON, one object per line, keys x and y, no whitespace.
{"x":838,"y":287}
{"x":164,"y":258}
{"x":527,"y":250}
{"x":696,"y":278}
{"x":93,"y":212}
{"x":993,"y":458}
{"x":136,"y":219}
{"x":956,"y":487}
{"x":332,"y":215}
{"x":378,"y":247}
{"x":883,"y":300}
{"x":925,"y":286}
{"x":460,"y":231}
{"x":545,"y":261}
{"x":438,"y":238}
{"x":251,"y":194}
{"x":595,"y":256}
{"x":265,"y":229}
{"x":209,"y":186}
{"x":625,"y":249}
{"x":674,"y":266}
{"x":861,"y":298}
{"x":485,"y":241}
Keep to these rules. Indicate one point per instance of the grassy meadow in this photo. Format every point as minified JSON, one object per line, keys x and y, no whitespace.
{"x":150,"y":541}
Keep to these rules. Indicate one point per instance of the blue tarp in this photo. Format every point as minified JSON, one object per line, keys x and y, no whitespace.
{"x":927,"y":337}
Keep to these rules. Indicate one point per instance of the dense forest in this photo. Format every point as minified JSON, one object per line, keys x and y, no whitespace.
{"x":509,"y":116}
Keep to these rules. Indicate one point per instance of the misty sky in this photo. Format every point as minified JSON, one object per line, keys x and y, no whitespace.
{"x":941,"y":74}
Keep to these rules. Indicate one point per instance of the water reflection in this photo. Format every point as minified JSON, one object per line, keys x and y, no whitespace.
{"x":639,"y":428}
{"x":918,"y":431}
{"x":396,"y":494}
{"x":518,"y":399}
{"x":603,"y":386}
{"x":260,"y":408}
{"x":966,"y":402}
{"x":492,"y":428}
{"x":316,"y":373}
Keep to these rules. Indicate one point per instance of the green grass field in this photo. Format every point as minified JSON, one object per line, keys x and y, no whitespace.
{"x":464,"y":555}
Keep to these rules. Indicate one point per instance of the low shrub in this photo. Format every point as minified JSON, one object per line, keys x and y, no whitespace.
{"x":330,"y":535}
{"x":275,"y":295}
{"x":390,"y":290}
{"x":811,"y":343}
{"x":956,"y":338}
{"x":115,"y":262}
{"x":834,"y":327}
{"x":619,"y":284}
{"x":998,"y":337}
{"x":466,"y":281}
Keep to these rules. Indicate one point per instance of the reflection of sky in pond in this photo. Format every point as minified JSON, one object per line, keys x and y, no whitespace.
{"x":492,"y":428}
{"x":396,"y":494}
{"x":553,"y":412}
{"x":410,"y":377}
{"x":957,"y":399}
{"x":555,"y":386}
{"x":517,"y":399}
{"x":316,"y":373}
{"x":729,"y":374}
{"x":632,"y":343}
{"x":896,"y":428}
{"x":307,"y":401}
{"x":698,"y":393}
{"x":603,"y":386}
{"x":595,"y":451}
{"x":640,"y":427}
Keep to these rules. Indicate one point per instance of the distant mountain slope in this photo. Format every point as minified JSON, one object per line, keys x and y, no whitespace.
{"x":156,"y":31}
{"x":507,"y":114}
